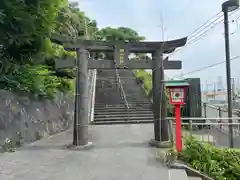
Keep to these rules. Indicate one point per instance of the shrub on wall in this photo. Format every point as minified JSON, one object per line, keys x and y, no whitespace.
{"x":146,"y":78}
{"x":36,"y":80}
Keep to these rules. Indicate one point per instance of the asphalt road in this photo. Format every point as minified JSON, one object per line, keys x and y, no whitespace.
{"x":121,"y":152}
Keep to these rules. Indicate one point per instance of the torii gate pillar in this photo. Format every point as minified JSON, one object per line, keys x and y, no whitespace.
{"x":161,"y":128}
{"x":80,"y":131}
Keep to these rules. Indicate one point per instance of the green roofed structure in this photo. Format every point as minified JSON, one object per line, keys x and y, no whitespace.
{"x":176,"y":83}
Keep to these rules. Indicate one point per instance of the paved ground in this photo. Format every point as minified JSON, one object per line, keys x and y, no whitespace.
{"x":120,"y":152}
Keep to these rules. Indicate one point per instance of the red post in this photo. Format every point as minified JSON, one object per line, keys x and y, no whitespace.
{"x":178,"y":128}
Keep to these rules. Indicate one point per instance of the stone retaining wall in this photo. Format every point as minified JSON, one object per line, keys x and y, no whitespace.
{"x":29,"y":119}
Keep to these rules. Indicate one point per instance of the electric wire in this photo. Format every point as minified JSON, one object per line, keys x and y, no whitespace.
{"x":203,"y":32}
{"x":194,"y":33}
{"x":206,"y":67}
{"x":200,"y":37}
{"x":211,"y":20}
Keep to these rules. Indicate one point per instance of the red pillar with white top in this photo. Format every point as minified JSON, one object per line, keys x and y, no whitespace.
{"x":177,"y":92}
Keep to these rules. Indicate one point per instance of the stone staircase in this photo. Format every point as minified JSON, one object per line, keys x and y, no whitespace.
{"x":120,"y":101}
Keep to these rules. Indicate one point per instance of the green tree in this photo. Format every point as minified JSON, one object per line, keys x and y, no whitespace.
{"x":25,"y":25}
{"x":71,"y":21}
{"x":114,"y":34}
{"x":120,"y":33}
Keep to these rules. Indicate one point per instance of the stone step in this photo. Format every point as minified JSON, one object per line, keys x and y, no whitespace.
{"x":122,"y":104}
{"x":116,"y":105}
{"x":119,"y":118}
{"x":122,"y":115}
{"x":110,"y":108}
{"x":123,"y":109}
{"x":124,"y":112}
{"x":122,"y":122}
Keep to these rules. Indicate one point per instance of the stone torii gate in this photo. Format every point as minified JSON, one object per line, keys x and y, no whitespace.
{"x":84,"y":62}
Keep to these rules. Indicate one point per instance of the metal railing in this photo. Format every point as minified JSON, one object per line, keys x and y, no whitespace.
{"x":91,"y":99}
{"x":213,"y":130}
{"x":219,"y":109}
{"x":91,"y":93}
{"x":123,"y":95}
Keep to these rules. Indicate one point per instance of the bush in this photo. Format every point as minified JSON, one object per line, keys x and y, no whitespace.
{"x":36,"y":80}
{"x":147,"y":84}
{"x":217,"y":163}
{"x":146,"y":78}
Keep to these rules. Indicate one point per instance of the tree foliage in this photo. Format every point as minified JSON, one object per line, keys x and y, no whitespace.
{"x":25,"y":25}
{"x":73,"y":22}
{"x":27,"y":56}
{"x":26,"y":53}
{"x":120,"y":33}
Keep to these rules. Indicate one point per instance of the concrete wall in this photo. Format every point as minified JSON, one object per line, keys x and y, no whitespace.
{"x":31,"y":119}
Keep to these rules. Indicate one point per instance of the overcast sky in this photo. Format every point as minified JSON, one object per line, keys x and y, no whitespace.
{"x":179,"y":18}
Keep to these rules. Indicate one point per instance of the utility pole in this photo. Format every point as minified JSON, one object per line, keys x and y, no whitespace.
{"x":228,"y":73}
{"x":229,"y":6}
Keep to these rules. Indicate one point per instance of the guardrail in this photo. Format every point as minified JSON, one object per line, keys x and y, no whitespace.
{"x":123,"y":95}
{"x":219,"y":109}
{"x":216,"y":111}
{"x":213,"y":130}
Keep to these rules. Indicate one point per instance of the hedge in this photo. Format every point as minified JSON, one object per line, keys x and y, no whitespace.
{"x":217,"y":163}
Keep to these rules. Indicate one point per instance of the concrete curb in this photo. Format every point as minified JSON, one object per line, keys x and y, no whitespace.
{"x":190,"y":171}
{"x":176,"y":164}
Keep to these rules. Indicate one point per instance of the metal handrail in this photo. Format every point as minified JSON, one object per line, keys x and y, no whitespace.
{"x":219,"y":108}
{"x":92,"y":102}
{"x":122,"y":91}
{"x":91,"y":95}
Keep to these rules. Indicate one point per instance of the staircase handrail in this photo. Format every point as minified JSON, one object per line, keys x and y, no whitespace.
{"x":93,"y":93}
{"x":122,"y":90}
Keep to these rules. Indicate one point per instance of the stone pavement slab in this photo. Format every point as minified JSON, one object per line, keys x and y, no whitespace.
{"x":121,"y":152}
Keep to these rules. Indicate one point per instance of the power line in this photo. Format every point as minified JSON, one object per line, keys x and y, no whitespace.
{"x":210,"y":20}
{"x":192,"y":40}
{"x":196,"y":32}
{"x":198,"y":36}
{"x":204,"y":33}
{"x":206,"y":67}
